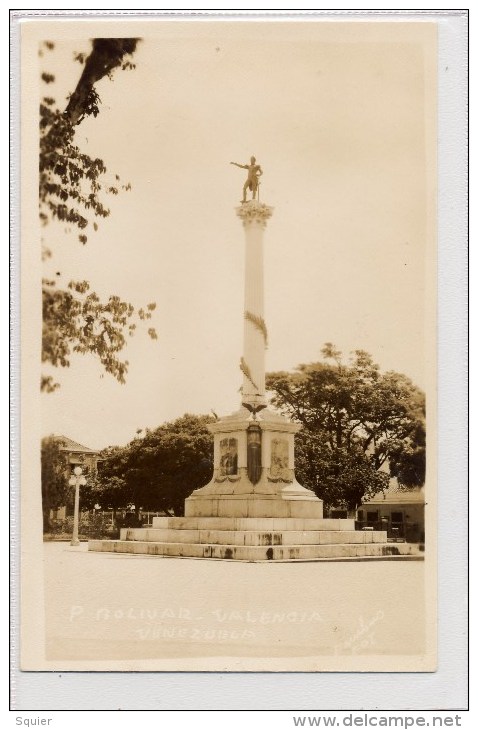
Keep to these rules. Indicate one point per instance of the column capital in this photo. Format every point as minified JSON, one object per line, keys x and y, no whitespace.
{"x":254,"y":212}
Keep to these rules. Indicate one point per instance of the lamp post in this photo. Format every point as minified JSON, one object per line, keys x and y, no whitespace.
{"x":76,"y":480}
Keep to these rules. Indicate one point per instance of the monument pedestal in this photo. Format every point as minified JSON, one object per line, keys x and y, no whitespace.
{"x":254,"y":471}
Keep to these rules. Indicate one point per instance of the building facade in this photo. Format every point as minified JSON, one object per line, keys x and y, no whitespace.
{"x":76,"y":455}
{"x":399,"y":511}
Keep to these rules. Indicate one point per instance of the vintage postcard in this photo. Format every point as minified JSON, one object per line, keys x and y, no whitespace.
{"x":228,"y":322}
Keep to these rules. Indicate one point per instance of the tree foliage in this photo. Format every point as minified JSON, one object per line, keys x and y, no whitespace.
{"x":158,"y":470}
{"x":71,"y":182}
{"x":71,"y":189}
{"x":360,"y":426}
{"x":106,"y":486}
{"x":55,"y":471}
{"x":76,"y":320}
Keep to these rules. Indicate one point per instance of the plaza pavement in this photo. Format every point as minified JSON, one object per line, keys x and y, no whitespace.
{"x":105,"y":608}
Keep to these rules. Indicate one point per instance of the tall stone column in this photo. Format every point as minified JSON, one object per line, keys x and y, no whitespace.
{"x":253,"y":447}
{"x":254,"y":216}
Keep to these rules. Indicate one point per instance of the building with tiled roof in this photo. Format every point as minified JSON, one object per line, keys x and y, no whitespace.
{"x":78,"y":454}
{"x":400,"y":511}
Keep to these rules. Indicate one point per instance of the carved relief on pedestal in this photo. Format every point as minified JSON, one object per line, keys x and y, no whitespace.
{"x":227,"y":460}
{"x":280,"y":470}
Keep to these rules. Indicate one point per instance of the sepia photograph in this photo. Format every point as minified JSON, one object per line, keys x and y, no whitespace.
{"x":229,"y":314}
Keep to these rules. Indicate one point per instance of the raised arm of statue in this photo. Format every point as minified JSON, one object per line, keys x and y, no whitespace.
{"x":244,"y":167}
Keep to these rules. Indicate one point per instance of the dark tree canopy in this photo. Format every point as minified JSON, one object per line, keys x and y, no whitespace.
{"x":158,"y":470}
{"x":55,"y":471}
{"x":107,"y":486}
{"x":106,"y":55}
{"x":72,"y":186}
{"x":360,"y":426}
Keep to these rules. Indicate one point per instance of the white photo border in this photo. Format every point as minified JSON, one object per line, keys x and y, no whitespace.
{"x":447,"y":687}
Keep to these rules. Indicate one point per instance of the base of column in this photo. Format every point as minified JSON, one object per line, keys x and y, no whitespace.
{"x":292,"y":501}
{"x":276,"y":493}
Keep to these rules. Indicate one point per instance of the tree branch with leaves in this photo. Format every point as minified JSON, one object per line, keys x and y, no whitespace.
{"x":71,"y":189}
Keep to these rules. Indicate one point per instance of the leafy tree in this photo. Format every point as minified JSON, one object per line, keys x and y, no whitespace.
{"x":360,"y":426}
{"x":159,"y":470}
{"x":55,"y":470}
{"x":71,"y":184}
{"x":110,"y":489}
{"x":107,"y":487}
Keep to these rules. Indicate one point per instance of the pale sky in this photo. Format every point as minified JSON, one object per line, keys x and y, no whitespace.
{"x":338,"y":115}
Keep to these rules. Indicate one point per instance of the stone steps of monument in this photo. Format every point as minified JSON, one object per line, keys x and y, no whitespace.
{"x":255,"y":553}
{"x":252,"y":537}
{"x":252,"y":523}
